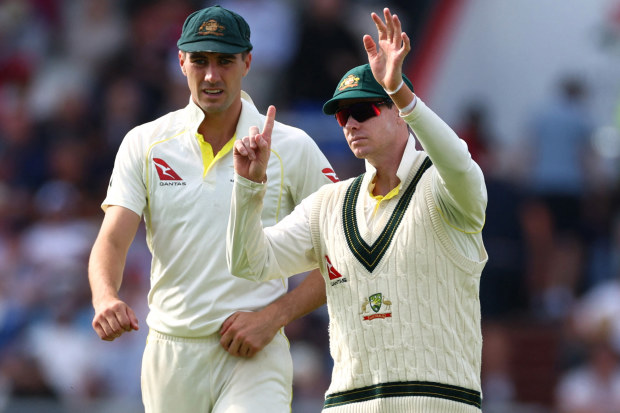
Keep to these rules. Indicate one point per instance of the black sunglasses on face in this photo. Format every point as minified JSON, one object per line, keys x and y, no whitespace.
{"x":361,"y":112}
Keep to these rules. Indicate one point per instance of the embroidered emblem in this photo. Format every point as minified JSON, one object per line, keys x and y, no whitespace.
{"x":349,"y":82}
{"x":211,"y":27}
{"x":375,"y":303}
{"x":334,"y":274}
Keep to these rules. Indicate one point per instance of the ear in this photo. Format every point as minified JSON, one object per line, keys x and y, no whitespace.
{"x":248,"y":62}
{"x":182,"y":58}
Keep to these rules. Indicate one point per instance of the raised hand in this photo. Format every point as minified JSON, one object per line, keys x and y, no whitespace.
{"x":386,"y":57}
{"x":251,"y":154}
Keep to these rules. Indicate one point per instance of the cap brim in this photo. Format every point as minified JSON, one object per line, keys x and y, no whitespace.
{"x":212,"y":46}
{"x":331,"y":106}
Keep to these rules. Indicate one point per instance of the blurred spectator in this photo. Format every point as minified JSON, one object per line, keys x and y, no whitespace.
{"x":497,"y":384}
{"x":62,"y":347}
{"x":22,"y":153}
{"x":559,"y":150}
{"x":327,"y":48}
{"x":559,"y":143}
{"x":593,"y":386}
{"x":94,"y":31}
{"x":503,"y":285}
{"x":154,"y":30}
{"x":599,"y":307}
{"x":24,"y":46}
{"x":46,"y":299}
{"x":329,"y":44}
{"x":474,"y":130}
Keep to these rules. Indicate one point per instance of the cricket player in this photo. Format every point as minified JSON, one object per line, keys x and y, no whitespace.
{"x":399,"y":247}
{"x":215,"y":342}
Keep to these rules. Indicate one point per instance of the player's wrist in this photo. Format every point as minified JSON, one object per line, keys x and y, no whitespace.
{"x":409,"y":108}
{"x":395,"y":91}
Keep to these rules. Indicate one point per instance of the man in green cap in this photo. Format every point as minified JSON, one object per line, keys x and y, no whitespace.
{"x":216,"y":342}
{"x":399,"y":247}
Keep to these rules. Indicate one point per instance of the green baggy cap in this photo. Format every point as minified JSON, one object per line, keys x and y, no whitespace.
{"x":215,"y":29}
{"x":358,"y":83}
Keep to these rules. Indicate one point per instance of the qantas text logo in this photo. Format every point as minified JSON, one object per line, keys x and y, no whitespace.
{"x":166,"y":173}
{"x":330,"y":174}
{"x":333,"y":273}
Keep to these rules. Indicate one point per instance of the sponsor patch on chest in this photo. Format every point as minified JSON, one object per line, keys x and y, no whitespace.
{"x":167,"y":175}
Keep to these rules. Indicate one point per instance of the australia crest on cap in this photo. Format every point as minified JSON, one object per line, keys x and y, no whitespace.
{"x":211,"y":27}
{"x":349,"y":82}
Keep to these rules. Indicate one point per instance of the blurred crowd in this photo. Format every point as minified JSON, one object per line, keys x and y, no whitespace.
{"x":75,"y":76}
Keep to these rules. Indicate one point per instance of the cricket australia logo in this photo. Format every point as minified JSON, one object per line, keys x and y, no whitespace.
{"x":211,"y":27}
{"x":375,"y":303}
{"x":349,"y":82}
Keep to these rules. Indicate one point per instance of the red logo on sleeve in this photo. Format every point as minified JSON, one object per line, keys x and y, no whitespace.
{"x":165,"y":172}
{"x":330,"y":174}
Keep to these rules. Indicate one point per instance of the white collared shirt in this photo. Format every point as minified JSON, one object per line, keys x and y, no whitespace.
{"x":159,"y":173}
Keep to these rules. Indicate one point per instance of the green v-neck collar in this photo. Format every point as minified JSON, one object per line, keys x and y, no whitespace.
{"x":370,"y":255}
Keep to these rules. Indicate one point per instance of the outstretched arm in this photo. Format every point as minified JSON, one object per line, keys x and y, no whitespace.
{"x":460,"y":190}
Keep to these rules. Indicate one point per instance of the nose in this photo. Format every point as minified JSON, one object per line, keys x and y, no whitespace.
{"x":211,"y":74}
{"x":351,"y":123}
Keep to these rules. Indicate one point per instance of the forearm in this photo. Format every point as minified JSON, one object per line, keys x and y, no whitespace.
{"x":108,"y":255}
{"x":447,"y":151}
{"x":305,"y":298}
{"x":105,"y":270}
{"x":246,"y":250}
{"x":256,"y":254}
{"x":461,"y":183}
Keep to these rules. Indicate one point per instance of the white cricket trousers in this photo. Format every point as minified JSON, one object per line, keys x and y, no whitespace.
{"x":196,"y":375}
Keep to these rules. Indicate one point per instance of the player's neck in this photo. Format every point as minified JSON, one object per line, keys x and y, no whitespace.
{"x":218,"y":128}
{"x":384,"y":183}
{"x":386,"y":165}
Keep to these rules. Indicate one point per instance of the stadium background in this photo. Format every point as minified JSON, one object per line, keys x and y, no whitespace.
{"x":76,"y":76}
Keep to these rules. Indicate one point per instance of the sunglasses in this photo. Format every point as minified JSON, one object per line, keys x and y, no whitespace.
{"x":361,"y":112}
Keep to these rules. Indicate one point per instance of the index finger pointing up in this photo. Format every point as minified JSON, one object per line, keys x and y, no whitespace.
{"x":268,"y":128}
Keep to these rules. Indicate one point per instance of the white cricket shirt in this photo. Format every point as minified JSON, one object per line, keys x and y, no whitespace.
{"x":159,"y":173}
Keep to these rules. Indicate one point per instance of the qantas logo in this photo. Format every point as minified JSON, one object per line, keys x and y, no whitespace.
{"x":330,"y":174}
{"x":166,"y":173}
{"x":334,"y":274}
